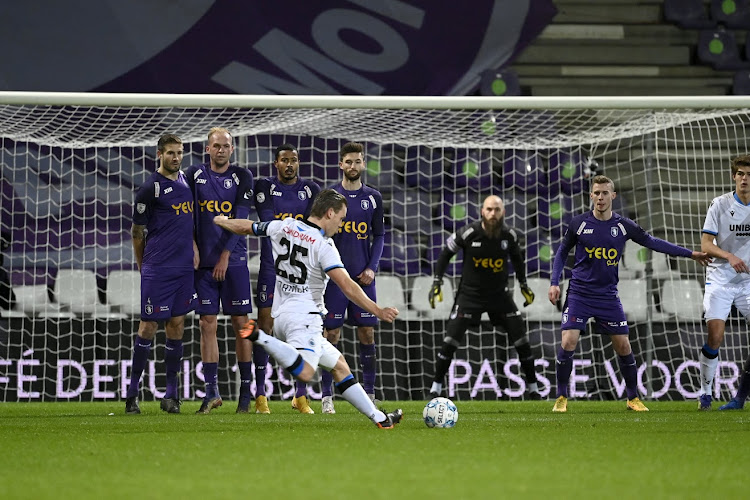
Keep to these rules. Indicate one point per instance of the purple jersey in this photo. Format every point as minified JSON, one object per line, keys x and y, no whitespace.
{"x":229,"y":193}
{"x":165,"y":207}
{"x":599,"y":246}
{"x":275,"y":200}
{"x":360,"y":239}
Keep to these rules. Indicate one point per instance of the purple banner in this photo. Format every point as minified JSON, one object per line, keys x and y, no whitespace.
{"x":388,"y":47}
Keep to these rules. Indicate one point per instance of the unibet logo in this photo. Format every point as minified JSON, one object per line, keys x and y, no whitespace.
{"x":213,"y":206}
{"x":185,"y":207}
{"x":495,"y":264}
{"x":373,"y":167}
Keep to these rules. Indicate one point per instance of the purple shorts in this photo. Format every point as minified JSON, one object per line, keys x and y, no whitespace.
{"x":609,"y":317}
{"x":337,"y":304}
{"x":166,"y":293}
{"x":233,"y":292}
{"x":265,"y":286}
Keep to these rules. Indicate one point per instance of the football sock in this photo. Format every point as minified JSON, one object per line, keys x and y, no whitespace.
{"x":563,"y":367}
{"x":630,"y":374}
{"x":744,"y":388}
{"x":709,"y":360}
{"x":443,"y":362}
{"x":246,"y":373}
{"x":283,"y":353}
{"x":356,"y":395}
{"x":436,"y":387}
{"x":326,"y":381}
{"x":141,"y":351}
{"x":210,"y":377}
{"x":301,"y":389}
{"x":260,"y":358}
{"x":367,"y":362}
{"x":172,"y":358}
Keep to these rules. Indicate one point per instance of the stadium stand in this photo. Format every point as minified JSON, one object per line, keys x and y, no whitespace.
{"x":734,"y":14}
{"x":499,"y":82}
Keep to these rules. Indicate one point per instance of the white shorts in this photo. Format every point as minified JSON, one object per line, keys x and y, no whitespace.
{"x":718,"y":300}
{"x":304,"y":332}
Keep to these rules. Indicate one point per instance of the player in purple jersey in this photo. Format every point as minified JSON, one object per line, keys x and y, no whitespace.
{"x":166,"y":256}
{"x":222,"y":276}
{"x":278,"y":197}
{"x":360,"y":241}
{"x":599,"y":238}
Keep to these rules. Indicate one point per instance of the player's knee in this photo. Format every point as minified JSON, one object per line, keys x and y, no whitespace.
{"x":333,"y":335}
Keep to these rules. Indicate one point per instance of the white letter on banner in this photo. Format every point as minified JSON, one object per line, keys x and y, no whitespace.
{"x":125,"y":365}
{"x":453,"y":380}
{"x":82,"y":378}
{"x":678,"y":378}
{"x":546,"y":386}
{"x":199,"y":373}
{"x":5,"y":362}
{"x":728,"y":382}
{"x":186,"y":373}
{"x":574,"y":379}
{"x":619,"y":385}
{"x":512,"y":363}
{"x":665,"y":372}
{"x":485,"y":370}
{"x":99,"y":379}
{"x":21,"y":378}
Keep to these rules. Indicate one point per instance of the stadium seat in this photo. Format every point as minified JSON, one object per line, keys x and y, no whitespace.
{"x":718,"y":48}
{"x":472,"y":169}
{"x":124,"y":291}
{"x":459,"y":209}
{"x":253,"y":265}
{"x":424,"y":169}
{"x":420,"y":290}
{"x":633,"y":297}
{"x":390,"y":290}
{"x":401,"y":254}
{"x":541,"y":309}
{"x":437,"y":243}
{"x":540,"y":254}
{"x":499,"y":82}
{"x":380,"y":172}
{"x":635,"y":257}
{"x":741,"y":81}
{"x":555,"y":214}
{"x":682,"y":298}
{"x":77,"y":290}
{"x":34,"y":300}
{"x":524,"y":170}
{"x":567,"y":171}
{"x":689,"y":14}
{"x":734,"y":14}
{"x":410,"y":210}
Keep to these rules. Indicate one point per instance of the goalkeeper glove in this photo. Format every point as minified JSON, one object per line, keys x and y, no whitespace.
{"x":436,"y":291}
{"x":527,"y":294}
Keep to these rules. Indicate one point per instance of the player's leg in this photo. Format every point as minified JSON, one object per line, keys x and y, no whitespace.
{"x":260,"y":360}
{"x":141,"y":350}
{"x":183,"y":301}
{"x":455,"y":331}
{"x":738,"y":401}
{"x":244,"y":350}
{"x":235,"y":301}
{"x":207,"y":309}
{"x":717,"y":303}
{"x":365,"y":323}
{"x":514,"y":325}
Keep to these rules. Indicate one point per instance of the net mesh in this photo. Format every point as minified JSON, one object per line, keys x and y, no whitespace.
{"x":69,"y":174}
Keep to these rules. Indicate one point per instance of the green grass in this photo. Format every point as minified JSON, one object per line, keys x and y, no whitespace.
{"x":497,"y":450}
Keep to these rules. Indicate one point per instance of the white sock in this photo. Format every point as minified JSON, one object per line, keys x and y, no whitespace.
{"x":283,"y":353}
{"x":359,"y":399}
{"x":708,"y":370}
{"x":437,"y":387}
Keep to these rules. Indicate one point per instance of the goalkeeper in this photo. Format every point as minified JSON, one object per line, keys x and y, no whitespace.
{"x":487,"y":245}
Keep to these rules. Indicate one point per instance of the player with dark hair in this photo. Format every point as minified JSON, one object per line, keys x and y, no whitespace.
{"x":599,"y":237}
{"x":222,"y":276}
{"x":727,"y":278}
{"x":488,"y":244}
{"x":278,"y":197}
{"x":305,"y":258}
{"x":166,"y":256}
{"x":360,"y":242}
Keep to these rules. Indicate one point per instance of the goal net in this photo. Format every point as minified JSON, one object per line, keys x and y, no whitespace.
{"x":71,"y":165}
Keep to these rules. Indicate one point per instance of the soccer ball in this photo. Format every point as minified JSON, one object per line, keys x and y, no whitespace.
{"x":440,"y":412}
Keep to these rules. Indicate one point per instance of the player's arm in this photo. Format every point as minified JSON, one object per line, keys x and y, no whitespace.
{"x":377,"y":228}
{"x":238,"y":226}
{"x":452,"y":245}
{"x":354,"y":293}
{"x":138,"y":233}
{"x":712,"y":250}
{"x":640,"y":236}
{"x":241,"y":207}
{"x":568,"y":242}
{"x":519,"y":266}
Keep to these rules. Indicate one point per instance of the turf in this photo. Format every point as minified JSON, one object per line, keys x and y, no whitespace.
{"x":497,"y":450}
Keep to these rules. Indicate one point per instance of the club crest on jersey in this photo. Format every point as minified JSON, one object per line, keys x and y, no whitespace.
{"x":613,"y":231}
{"x":504,"y":244}
{"x":140,"y":207}
{"x":149,"y":309}
{"x":301,"y":195}
{"x":227,"y":183}
{"x":365,"y":204}
{"x":263,"y":296}
{"x":260,"y":197}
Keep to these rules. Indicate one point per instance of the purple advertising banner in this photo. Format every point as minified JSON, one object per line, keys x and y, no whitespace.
{"x":385,"y":47}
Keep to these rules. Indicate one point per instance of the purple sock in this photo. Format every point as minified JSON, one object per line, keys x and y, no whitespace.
{"x":141,"y":351}
{"x":629,"y":372}
{"x":172,"y":358}
{"x":744,"y":389}
{"x":326,"y":381}
{"x":246,"y":374}
{"x":367,"y":362}
{"x":563,"y":367}
{"x":260,"y":358}
{"x":210,"y":375}
{"x":301,"y":389}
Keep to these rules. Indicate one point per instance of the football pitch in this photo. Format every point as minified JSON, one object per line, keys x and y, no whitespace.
{"x":497,"y":450}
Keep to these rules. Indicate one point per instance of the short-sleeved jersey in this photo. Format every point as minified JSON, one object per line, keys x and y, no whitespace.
{"x":302,"y":257}
{"x":599,"y":246}
{"x":165,"y":207}
{"x":276,"y":200}
{"x":229,"y":193}
{"x":728,"y":219}
{"x":364,"y":220}
{"x":485,"y":266}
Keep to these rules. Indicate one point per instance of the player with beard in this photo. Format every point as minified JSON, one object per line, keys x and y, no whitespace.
{"x":487,"y":245}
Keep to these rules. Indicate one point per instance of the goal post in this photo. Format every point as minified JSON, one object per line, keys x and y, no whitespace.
{"x":71,"y":163}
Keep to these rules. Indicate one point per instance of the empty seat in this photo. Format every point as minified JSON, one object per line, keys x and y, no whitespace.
{"x":734,"y":14}
{"x":410,"y":210}
{"x":541,"y":309}
{"x":634,"y":297}
{"x":683,"y":299}
{"x":124,"y":291}
{"x":517,"y":211}
{"x":459,"y":209}
{"x":77,"y":290}
{"x":635,"y":257}
{"x":420,"y":290}
{"x":423,"y":168}
{"x":380,"y":170}
{"x":253,"y":265}
{"x":499,"y":82}
{"x":540,"y":254}
{"x":437,"y":244}
{"x":687,"y":14}
{"x":524,"y":170}
{"x":718,"y":48}
{"x":555,"y":214}
{"x":390,"y":290}
{"x":34,"y":300}
{"x":401,"y":254}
